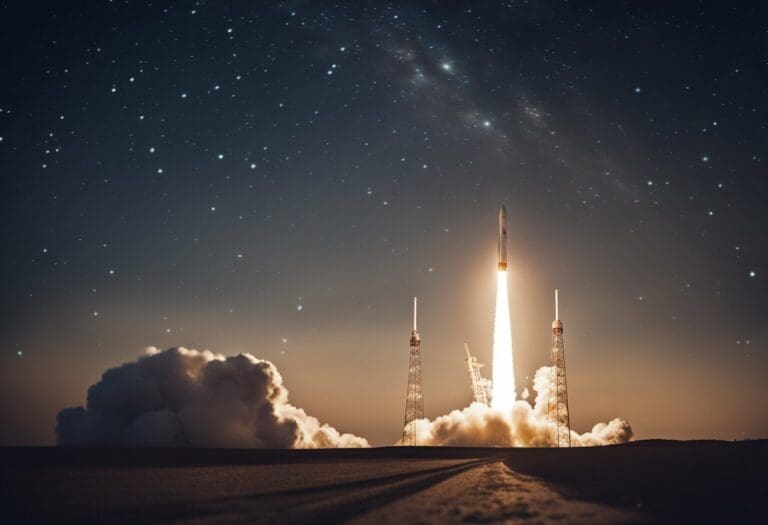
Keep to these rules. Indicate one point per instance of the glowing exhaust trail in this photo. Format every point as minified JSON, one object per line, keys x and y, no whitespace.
{"x":503,"y":370}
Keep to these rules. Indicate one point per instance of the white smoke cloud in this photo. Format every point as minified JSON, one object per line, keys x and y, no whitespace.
{"x":181,"y":397}
{"x":524,"y":425}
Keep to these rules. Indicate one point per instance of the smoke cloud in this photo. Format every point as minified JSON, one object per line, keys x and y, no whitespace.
{"x":186,"y":398}
{"x":524,"y":425}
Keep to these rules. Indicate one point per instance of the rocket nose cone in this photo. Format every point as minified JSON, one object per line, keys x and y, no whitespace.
{"x":503,"y":211}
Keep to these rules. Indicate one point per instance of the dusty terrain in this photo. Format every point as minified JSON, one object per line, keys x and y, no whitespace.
{"x":652,"y":481}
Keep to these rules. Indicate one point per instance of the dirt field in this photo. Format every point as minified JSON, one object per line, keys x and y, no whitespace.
{"x":652,"y":481}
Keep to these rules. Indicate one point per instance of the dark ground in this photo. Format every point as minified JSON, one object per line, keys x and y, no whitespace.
{"x":654,"y":481}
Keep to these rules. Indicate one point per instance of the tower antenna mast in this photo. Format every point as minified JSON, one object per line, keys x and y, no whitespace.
{"x":558,"y":411}
{"x":414,"y":400}
{"x":415,"y":305}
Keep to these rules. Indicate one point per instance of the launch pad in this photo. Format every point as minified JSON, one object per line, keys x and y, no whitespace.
{"x":498,"y":393}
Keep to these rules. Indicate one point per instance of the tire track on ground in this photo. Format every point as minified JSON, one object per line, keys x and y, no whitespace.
{"x":492,"y":493}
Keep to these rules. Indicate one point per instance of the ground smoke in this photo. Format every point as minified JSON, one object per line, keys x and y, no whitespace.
{"x":524,"y":425}
{"x":181,"y":397}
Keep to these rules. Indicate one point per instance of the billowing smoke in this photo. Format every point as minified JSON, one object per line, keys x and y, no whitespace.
{"x":184,"y":398}
{"x":524,"y":425}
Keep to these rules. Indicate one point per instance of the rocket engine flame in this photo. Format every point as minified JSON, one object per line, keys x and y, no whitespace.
{"x":503,"y":370}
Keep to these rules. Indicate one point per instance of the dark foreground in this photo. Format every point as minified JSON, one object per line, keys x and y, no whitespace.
{"x":650,"y":481}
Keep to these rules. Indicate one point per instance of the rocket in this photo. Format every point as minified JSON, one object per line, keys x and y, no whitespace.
{"x":503,"y":239}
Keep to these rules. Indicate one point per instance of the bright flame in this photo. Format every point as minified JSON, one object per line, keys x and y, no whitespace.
{"x":503,"y":371}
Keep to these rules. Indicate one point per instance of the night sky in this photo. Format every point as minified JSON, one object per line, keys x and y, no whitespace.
{"x":282,"y":180}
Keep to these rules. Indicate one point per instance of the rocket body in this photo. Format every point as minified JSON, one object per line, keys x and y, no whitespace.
{"x":503,"y":239}
{"x":503,"y":367}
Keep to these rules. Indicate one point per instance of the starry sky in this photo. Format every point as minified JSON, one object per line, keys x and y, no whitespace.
{"x":282,"y":178}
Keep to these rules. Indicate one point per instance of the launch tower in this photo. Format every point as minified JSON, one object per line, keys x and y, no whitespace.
{"x":558,"y":392}
{"x":414,"y":402}
{"x":477,"y":382}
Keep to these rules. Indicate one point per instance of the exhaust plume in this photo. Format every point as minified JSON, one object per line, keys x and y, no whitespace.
{"x":186,"y":398}
{"x":503,"y":371}
{"x":522,"y":425}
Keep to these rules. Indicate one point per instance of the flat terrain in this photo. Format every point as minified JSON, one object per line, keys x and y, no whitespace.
{"x":651,"y":481}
